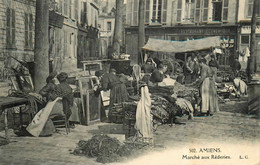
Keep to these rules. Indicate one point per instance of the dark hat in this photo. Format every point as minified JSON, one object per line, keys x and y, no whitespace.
{"x":62,"y":76}
{"x":51,"y":76}
{"x":112,"y":70}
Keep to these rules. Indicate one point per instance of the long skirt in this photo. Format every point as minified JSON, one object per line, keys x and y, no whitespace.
{"x":209,"y":96}
{"x":118,"y":94}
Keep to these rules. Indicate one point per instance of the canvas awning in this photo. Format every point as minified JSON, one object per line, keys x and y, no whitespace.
{"x":169,"y":46}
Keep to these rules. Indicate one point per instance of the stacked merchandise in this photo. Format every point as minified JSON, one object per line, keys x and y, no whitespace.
{"x":117,"y":114}
{"x":108,"y":150}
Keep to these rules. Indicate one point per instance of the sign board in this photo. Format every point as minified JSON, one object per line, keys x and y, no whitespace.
{"x":247,"y":29}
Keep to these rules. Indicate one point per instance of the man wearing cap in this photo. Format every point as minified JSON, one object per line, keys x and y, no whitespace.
{"x":158,"y":74}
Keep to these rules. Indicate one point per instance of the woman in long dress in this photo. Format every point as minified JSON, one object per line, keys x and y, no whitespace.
{"x":207,"y":89}
{"x":118,"y":91}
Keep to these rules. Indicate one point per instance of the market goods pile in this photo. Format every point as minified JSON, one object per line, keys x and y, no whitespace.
{"x":108,"y":149}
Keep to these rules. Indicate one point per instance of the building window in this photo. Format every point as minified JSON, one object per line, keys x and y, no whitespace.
{"x":76,"y":3}
{"x":245,"y":39}
{"x":84,"y":15}
{"x":205,"y":10}
{"x":28,"y":26}
{"x":250,"y":8}
{"x":197,"y":11}
{"x":147,"y":11}
{"x":159,"y":13}
{"x":179,"y":10}
{"x":220,"y":10}
{"x":109,"y":26}
{"x":217,"y":10}
{"x":10,"y":28}
{"x":189,"y":10}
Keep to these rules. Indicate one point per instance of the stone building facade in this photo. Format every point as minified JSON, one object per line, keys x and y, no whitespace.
{"x":184,"y":20}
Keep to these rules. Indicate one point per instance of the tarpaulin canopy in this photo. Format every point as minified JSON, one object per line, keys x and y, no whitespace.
{"x":169,"y":46}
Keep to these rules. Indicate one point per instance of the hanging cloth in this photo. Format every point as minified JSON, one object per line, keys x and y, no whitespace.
{"x":143,"y":123}
{"x":36,"y":126}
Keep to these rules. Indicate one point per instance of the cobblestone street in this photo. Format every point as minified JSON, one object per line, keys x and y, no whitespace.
{"x":229,"y":130}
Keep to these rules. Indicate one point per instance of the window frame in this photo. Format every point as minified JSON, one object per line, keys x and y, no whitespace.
{"x":10,"y":28}
{"x":245,"y":35}
{"x":179,"y":11}
{"x":223,"y":9}
{"x":147,"y":12}
{"x":76,"y":6}
{"x":205,"y":8}
{"x":247,"y":8}
{"x":29,"y":31}
{"x":164,"y":11}
{"x":135,"y":13}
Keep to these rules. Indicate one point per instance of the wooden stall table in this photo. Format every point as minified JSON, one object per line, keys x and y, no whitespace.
{"x":9,"y":102}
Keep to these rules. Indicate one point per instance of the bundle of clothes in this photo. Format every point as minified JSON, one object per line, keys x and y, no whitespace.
{"x":107,"y":150}
{"x":167,"y":103}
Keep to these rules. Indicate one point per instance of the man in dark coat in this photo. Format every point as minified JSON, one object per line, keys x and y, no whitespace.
{"x":147,"y":69}
{"x":158,"y":74}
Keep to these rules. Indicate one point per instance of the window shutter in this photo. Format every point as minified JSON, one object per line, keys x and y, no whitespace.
{"x":147,"y":11}
{"x":31,"y":31}
{"x":8,"y":29}
{"x":76,"y":9}
{"x":205,"y":10}
{"x":179,"y":9}
{"x":164,"y":11}
{"x":154,"y":10}
{"x":13,"y":27}
{"x":225,"y":10}
{"x":159,"y":11}
{"x":250,"y":8}
{"x":26,"y":28}
{"x":135,"y":15}
{"x":197,"y":11}
{"x":70,"y":8}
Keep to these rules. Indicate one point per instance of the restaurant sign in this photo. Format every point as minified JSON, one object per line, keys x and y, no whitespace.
{"x":247,"y":29}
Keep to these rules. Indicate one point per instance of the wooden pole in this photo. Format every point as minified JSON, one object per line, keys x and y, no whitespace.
{"x":253,"y":39}
{"x":141,"y":31}
{"x":41,"y":49}
{"x":118,"y":31}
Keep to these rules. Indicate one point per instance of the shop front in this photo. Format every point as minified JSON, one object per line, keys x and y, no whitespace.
{"x":228,"y":35}
{"x":244,"y":44}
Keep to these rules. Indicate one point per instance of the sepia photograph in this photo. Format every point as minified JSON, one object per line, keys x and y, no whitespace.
{"x":130,"y":82}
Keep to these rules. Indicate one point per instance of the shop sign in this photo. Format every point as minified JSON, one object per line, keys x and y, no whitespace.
{"x":215,"y":31}
{"x":247,"y":29}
